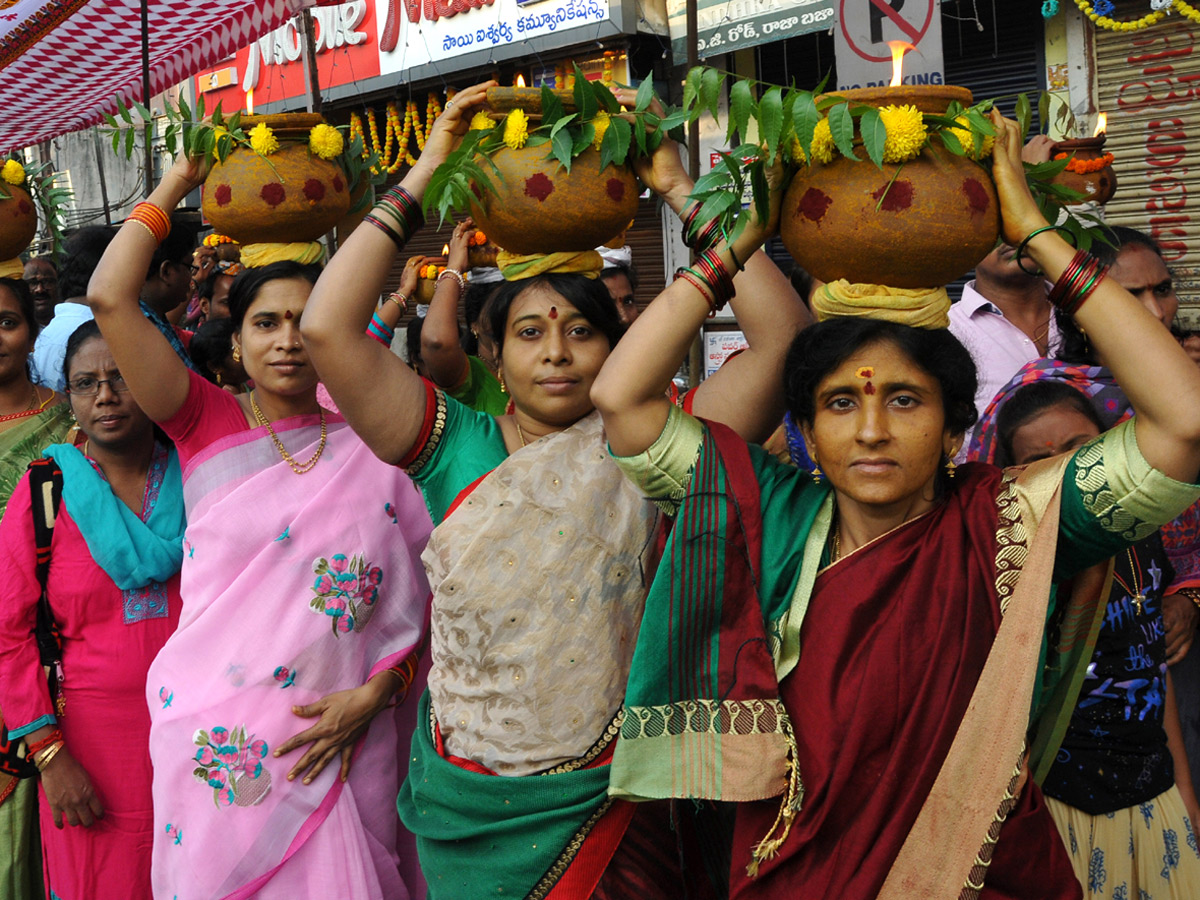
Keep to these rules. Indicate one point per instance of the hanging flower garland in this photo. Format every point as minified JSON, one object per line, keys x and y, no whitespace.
{"x":397,"y":134}
{"x":1099,"y":12}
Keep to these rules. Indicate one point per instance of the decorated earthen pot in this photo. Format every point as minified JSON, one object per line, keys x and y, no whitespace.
{"x":291,"y":195}
{"x":18,"y":221}
{"x":540,"y":207}
{"x":918,"y":224}
{"x":1089,"y":170}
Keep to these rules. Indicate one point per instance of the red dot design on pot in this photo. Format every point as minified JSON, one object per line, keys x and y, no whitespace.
{"x":814,"y":204}
{"x":338,"y":184}
{"x":895,"y":196}
{"x":224,"y":194}
{"x":976,"y":195}
{"x":314,"y":190}
{"x":539,"y":186}
{"x":273,"y":193}
{"x":23,"y":207}
{"x":616,"y":189}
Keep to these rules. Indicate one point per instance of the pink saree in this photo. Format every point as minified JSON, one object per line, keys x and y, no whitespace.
{"x":294,"y":586}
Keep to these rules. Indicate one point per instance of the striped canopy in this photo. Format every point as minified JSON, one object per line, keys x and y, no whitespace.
{"x":64,"y":62}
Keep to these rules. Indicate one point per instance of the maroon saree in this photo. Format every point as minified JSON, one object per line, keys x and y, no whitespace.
{"x":894,"y":640}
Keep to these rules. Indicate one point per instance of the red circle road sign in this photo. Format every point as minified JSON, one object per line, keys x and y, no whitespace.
{"x":911,"y":32}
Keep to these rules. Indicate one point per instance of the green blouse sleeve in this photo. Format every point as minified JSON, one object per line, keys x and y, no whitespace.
{"x":1112,"y":498}
{"x":463,"y":446}
{"x":663,"y":470}
{"x":481,"y":391}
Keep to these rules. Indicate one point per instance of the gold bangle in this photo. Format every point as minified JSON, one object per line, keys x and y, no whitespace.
{"x":1192,"y":594}
{"x":399,"y":299}
{"x":149,"y":230}
{"x":43,"y":759}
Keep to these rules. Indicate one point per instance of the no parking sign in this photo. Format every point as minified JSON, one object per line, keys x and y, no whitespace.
{"x":863,"y":56}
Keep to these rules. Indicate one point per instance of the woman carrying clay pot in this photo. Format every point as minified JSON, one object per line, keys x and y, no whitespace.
{"x":857,"y":659}
{"x":304,"y":603}
{"x":539,"y":563}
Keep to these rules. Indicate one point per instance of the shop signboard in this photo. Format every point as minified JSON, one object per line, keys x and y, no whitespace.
{"x":272,"y":68}
{"x":724,"y":26}
{"x":719,"y":346}
{"x":416,"y":34}
{"x":865,"y":28}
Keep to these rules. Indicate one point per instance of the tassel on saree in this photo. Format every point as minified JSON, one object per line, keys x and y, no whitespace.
{"x":793,"y":797}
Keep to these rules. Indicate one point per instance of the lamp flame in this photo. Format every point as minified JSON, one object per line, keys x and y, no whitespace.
{"x":445,"y":249}
{"x":899,"y":48}
{"x":1101,"y":125}
{"x":250,"y":102}
{"x":520,"y":81}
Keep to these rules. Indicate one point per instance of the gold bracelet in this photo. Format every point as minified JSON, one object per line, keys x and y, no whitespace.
{"x":1192,"y":594}
{"x":149,"y":230}
{"x":399,"y":299}
{"x":43,"y":759}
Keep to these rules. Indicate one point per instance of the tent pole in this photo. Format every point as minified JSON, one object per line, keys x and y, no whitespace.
{"x":148,"y":127}
{"x":312,"y":78}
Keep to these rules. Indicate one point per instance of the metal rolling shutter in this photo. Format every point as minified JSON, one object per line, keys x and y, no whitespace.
{"x":1004,"y":59}
{"x":645,"y":239}
{"x":1148,"y":82}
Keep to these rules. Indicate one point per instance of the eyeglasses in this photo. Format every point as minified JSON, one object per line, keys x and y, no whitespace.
{"x":90,"y":387}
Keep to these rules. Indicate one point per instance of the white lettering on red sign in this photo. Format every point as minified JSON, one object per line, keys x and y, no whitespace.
{"x":335,"y":26}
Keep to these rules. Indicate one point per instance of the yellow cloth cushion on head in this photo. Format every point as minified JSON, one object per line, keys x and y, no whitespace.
{"x":255,"y":256}
{"x":516,"y":266}
{"x":12,"y":268}
{"x":915,"y":307}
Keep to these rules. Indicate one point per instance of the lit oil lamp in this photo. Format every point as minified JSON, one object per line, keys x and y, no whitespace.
{"x":1089,"y":169}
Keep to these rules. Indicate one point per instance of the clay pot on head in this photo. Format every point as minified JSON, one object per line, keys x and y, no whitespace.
{"x":919,"y":224}
{"x":291,"y":195}
{"x":18,"y":221}
{"x":1099,"y":182}
{"x":539,"y":206}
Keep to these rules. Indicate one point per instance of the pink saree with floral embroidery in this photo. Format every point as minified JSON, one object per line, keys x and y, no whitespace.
{"x":294,"y":586}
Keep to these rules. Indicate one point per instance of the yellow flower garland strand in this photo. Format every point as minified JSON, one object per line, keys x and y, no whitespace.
{"x":1185,"y":9}
{"x":396,"y":134}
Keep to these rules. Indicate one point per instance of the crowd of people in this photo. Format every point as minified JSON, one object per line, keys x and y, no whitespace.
{"x":289,"y":614}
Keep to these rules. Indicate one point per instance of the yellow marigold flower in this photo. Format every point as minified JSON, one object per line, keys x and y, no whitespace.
{"x":13,"y":172}
{"x":481,"y":121}
{"x":601,"y":124}
{"x":796,"y":152}
{"x":326,"y":141}
{"x":263,"y":140}
{"x":967,"y":139}
{"x":516,"y":129}
{"x":906,"y":133}
{"x":822,"y":145}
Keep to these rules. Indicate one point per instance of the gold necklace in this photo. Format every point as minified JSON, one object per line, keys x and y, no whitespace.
{"x":1138,"y":593}
{"x":836,"y":553}
{"x":520,"y":433}
{"x":298,"y":468}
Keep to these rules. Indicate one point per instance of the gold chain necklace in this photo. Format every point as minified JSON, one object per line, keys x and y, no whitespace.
{"x":1138,"y":593}
{"x":836,"y":552}
{"x":520,"y":433}
{"x":298,"y":468}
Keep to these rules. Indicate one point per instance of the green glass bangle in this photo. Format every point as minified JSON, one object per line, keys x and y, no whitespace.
{"x":1021,"y":246}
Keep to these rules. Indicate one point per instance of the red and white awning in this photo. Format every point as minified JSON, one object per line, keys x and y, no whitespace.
{"x":63,"y":62}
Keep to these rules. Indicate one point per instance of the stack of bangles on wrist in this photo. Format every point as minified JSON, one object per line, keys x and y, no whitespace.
{"x":705,"y":238}
{"x":41,"y":752}
{"x":153,"y":219}
{"x":397,"y":214}
{"x":381,"y":330}
{"x":454,"y":275}
{"x":1077,"y":283}
{"x":709,"y":276}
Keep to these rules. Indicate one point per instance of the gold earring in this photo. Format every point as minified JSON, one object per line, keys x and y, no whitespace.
{"x":502,"y":385}
{"x":237,"y":353}
{"x":817,"y":475}
{"x":951,"y":468}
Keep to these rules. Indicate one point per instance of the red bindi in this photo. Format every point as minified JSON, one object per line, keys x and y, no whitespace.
{"x":287,"y":314}
{"x":869,"y":389}
{"x":554,"y":312}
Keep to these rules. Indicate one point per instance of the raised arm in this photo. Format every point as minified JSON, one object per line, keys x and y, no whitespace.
{"x":381,"y":398}
{"x":630,"y":390}
{"x":440,"y":346}
{"x":157,"y":377}
{"x":1161,"y":382}
{"x":746,"y":394}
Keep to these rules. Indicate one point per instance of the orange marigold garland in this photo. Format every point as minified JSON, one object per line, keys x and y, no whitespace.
{"x":1087,"y":166}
